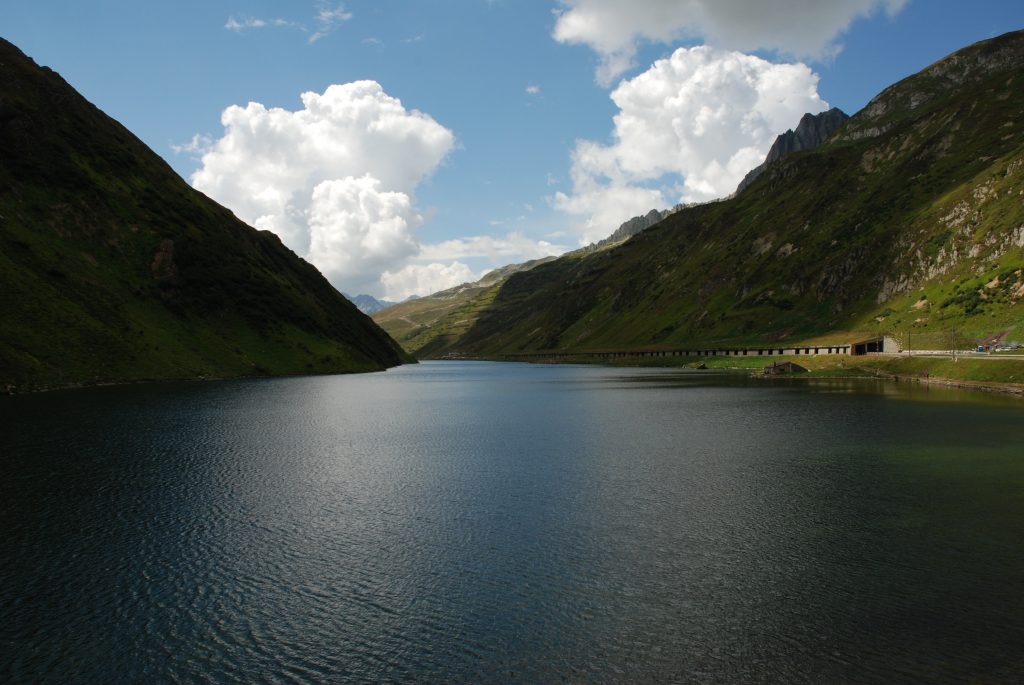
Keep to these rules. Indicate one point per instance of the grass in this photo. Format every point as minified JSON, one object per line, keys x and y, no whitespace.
{"x":986,"y":373}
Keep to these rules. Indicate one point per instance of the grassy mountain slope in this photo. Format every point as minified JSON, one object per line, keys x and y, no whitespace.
{"x":112,"y":268}
{"x":437,"y":321}
{"x":434,"y":322}
{"x":909,"y":220}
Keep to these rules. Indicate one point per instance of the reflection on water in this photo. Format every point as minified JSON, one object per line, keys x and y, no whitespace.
{"x":466,"y":521}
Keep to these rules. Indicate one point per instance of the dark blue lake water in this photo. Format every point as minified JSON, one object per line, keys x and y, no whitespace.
{"x":476,"y":522}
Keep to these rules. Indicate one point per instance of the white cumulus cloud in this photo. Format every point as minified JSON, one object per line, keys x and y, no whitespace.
{"x":423,"y":279}
{"x":802,"y":28}
{"x":688,"y":129}
{"x":356,"y":230}
{"x":335,"y":179}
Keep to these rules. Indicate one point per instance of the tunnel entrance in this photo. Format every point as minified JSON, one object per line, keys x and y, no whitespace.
{"x":868,"y":346}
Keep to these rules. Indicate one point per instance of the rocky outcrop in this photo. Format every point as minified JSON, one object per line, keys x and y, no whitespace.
{"x":935,"y":83}
{"x":812,"y":131}
{"x":629,"y":228}
{"x":163,"y":267}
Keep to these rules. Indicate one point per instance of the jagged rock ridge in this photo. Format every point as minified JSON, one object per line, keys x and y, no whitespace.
{"x":630,"y":228}
{"x":812,"y":131}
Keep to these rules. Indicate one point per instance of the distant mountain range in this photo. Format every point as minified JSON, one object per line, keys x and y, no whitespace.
{"x":113,"y":269}
{"x":368,"y":304}
{"x":908,"y":220}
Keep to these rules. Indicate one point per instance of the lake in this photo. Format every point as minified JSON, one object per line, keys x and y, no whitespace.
{"x":483,"y":522}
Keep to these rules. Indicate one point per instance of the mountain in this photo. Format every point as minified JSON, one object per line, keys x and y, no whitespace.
{"x":444,"y":316}
{"x":424,"y":324}
{"x":368,"y":304}
{"x":908,"y":220}
{"x":440,"y":318}
{"x":812,"y":131}
{"x":113,"y":269}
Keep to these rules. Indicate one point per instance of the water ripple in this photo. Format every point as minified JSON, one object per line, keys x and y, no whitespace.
{"x":508,"y":523}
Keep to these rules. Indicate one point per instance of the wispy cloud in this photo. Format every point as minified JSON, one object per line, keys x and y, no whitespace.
{"x":328,"y":18}
{"x":245,"y":23}
{"x":414,"y":39}
{"x":239,"y":25}
{"x":197,"y":147}
{"x":533,"y":90}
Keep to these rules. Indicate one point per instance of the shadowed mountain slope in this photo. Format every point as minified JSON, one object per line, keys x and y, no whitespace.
{"x":112,"y":268}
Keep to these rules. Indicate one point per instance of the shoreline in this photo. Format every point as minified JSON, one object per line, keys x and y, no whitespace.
{"x":1014,"y":389}
{"x":825,"y":365}
{"x":1010,"y":389}
{"x":929,"y":369}
{"x":11,"y":390}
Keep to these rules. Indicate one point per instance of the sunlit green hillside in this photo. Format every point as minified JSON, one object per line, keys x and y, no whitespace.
{"x":909,"y":221}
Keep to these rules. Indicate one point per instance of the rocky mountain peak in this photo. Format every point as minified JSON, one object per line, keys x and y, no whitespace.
{"x":811,"y":132}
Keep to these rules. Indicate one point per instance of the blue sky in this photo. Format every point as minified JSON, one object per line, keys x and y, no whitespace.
{"x":508,"y":88}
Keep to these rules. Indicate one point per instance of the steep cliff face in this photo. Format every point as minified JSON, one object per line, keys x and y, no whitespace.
{"x":812,"y":131}
{"x":112,"y":268}
{"x":909,"y":218}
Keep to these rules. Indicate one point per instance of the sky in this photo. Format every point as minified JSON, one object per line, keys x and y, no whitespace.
{"x":406,"y":146}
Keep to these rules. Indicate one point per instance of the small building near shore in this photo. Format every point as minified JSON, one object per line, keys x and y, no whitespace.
{"x":781,"y":368}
